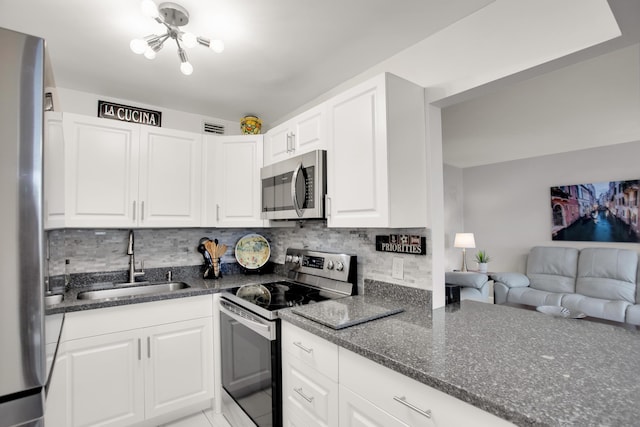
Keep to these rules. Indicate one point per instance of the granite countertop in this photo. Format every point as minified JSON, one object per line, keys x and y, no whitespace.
{"x":197,"y":286}
{"x":521,"y":365}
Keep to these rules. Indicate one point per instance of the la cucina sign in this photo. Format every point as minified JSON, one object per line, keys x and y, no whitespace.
{"x":125,"y":113}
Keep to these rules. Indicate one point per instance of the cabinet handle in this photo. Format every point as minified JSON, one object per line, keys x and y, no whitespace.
{"x":293,"y":142}
{"x":134,"y":210}
{"x":148,"y":347}
{"x":303,"y":348}
{"x":139,"y":349}
{"x":403,"y":400}
{"x":217,"y":212}
{"x":288,"y":142}
{"x":327,"y":206}
{"x":142,"y":211}
{"x":304,"y":396}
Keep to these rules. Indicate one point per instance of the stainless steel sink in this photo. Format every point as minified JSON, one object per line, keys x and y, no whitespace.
{"x":53,"y":299}
{"x":133,"y":290}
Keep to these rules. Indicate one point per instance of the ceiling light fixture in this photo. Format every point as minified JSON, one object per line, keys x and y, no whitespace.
{"x":173,"y":17}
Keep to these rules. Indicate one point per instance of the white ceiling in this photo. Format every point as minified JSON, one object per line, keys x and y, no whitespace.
{"x":279,"y":54}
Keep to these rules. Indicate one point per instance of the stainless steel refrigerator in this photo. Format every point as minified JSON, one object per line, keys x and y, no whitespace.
{"x":22,"y":344}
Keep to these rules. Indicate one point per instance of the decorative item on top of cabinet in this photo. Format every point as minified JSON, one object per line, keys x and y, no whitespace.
{"x":305,"y":132}
{"x":231,"y":190}
{"x":376,"y":155}
{"x":124,"y":175}
{"x":250,"y":125}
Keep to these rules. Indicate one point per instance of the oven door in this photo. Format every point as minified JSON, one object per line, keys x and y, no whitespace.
{"x":250,"y":360}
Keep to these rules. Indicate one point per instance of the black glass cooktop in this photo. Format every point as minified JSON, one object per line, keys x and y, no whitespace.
{"x":282,"y":294}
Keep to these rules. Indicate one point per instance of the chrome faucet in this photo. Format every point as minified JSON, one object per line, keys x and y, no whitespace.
{"x":132,"y":261}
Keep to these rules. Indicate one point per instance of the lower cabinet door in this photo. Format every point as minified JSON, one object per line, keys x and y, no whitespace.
{"x":356,"y":411}
{"x":105,"y":380}
{"x":307,"y":395}
{"x":179,"y":365}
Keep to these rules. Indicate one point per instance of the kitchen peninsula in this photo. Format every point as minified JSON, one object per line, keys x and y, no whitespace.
{"x":521,"y":365}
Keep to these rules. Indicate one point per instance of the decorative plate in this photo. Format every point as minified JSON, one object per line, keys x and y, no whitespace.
{"x":559,"y":311}
{"x":252,"y":251}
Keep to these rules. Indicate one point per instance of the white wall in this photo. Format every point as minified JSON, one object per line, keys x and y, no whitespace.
{"x":507,"y":205}
{"x":73,"y":101}
{"x":453,"y":215}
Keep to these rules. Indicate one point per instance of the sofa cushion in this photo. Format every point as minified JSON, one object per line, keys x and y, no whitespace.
{"x":533,"y":297}
{"x":607,"y":273}
{"x":633,"y":314}
{"x":512,"y":280}
{"x":465,"y":278}
{"x":596,"y":307}
{"x":552,"y":269}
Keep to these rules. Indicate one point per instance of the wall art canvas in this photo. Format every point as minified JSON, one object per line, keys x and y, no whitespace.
{"x":598,"y":212}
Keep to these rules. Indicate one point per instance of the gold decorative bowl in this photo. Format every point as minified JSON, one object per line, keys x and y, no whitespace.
{"x":250,"y":125}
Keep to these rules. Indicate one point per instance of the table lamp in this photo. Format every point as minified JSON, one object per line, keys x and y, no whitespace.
{"x":464,"y":241}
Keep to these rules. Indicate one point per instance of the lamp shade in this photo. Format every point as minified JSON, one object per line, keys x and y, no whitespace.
{"x":464,"y":240}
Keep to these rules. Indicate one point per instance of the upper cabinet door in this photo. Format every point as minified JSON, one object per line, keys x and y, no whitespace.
{"x":232,"y":192}
{"x":356,"y":159}
{"x":53,"y":171}
{"x":170,"y":169}
{"x":302,"y":134}
{"x":101,"y":172}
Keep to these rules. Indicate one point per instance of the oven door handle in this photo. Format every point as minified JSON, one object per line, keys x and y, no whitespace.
{"x":265,"y":328}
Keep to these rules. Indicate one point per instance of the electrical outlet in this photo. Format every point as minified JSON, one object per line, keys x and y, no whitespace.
{"x":397,"y":271}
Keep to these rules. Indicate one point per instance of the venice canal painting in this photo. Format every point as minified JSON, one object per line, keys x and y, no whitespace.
{"x":599,"y":212}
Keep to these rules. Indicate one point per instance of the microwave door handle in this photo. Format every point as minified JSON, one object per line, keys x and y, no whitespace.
{"x":294,"y":193}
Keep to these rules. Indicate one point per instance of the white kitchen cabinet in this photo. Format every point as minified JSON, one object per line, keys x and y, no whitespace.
{"x":305,"y":132}
{"x":170,"y":178}
{"x":309,"y":379}
{"x":232,"y":190}
{"x":150,"y":363}
{"x":376,"y":156}
{"x":400,"y":400}
{"x":127,"y":175}
{"x":53,"y":181}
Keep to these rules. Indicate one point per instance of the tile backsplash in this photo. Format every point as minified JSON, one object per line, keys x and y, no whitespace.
{"x":98,"y":250}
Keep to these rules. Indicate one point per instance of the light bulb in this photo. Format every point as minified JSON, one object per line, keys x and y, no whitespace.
{"x":188,"y":39}
{"x":216,"y":45}
{"x":149,"y":9}
{"x":149,"y":53}
{"x":138,"y":46}
{"x":186,"y":68}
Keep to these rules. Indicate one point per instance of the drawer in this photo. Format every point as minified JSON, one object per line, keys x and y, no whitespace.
{"x":314,"y":351}
{"x":356,"y":411}
{"x":307,"y":394}
{"x":406,"y":399}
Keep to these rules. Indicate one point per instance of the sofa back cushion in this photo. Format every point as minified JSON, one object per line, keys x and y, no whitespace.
{"x":607,"y":273}
{"x":553,"y":269}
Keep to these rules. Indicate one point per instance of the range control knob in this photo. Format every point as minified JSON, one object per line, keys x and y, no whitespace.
{"x":339,"y":266}
{"x":288,"y":258}
{"x":296,"y":260}
{"x":329,"y":265}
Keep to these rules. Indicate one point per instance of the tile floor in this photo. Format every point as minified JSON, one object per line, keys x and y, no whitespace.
{"x":202,"y":419}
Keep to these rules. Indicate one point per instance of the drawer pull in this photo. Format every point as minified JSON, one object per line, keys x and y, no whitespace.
{"x":403,"y":400}
{"x":304,"y":396}
{"x":303,"y":348}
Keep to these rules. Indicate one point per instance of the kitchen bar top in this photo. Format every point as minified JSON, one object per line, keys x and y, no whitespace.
{"x":521,"y":365}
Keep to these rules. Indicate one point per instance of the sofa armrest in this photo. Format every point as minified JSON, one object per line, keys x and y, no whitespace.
{"x":466,"y":278}
{"x":511,"y":280}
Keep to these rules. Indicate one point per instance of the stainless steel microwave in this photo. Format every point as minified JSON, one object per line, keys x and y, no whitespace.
{"x":295,"y":188}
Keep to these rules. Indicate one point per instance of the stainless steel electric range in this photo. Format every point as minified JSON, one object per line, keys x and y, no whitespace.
{"x":250,"y":331}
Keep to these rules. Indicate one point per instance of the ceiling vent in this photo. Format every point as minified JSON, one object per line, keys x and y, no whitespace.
{"x":213,"y":128}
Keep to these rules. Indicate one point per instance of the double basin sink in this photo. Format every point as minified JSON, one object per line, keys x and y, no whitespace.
{"x":123,"y":290}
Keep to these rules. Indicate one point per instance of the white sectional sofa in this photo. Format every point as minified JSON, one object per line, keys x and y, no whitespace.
{"x":599,"y":282}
